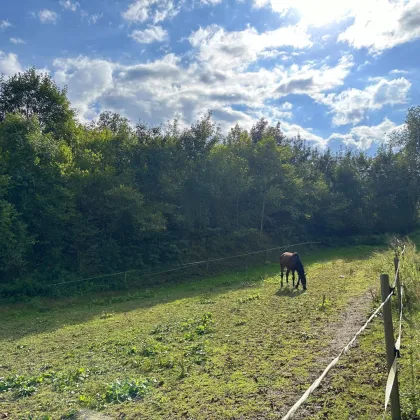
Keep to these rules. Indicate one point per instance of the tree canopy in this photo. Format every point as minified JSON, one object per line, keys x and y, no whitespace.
{"x":110,"y":196}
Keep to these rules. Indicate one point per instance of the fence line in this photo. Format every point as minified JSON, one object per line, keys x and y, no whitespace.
{"x":393,"y":370}
{"x":345,"y":349}
{"x":181,"y":267}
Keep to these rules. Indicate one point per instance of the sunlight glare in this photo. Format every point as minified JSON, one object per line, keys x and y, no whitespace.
{"x":319,"y":12}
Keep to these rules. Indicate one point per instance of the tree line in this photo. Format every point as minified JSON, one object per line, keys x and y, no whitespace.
{"x":81,"y":199}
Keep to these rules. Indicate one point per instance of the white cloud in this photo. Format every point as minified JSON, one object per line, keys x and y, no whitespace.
{"x":4,"y":24}
{"x":314,"y":13}
{"x":166,"y":11}
{"x":17,"y":41}
{"x":91,"y":19}
{"x":293,"y":130}
{"x":397,"y":71}
{"x":138,"y":11}
{"x":88,"y":80}
{"x":156,"y":91}
{"x":9,"y":64}
{"x":211,"y":2}
{"x":47,"y":16}
{"x":377,"y":24}
{"x":150,"y":35}
{"x":237,"y":49}
{"x":69,"y":5}
{"x":364,"y":136}
{"x":383,"y":24}
{"x":362,"y":66}
{"x":156,"y":10}
{"x":350,"y":106}
{"x":310,"y":79}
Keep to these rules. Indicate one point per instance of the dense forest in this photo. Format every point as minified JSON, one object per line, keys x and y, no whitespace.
{"x":81,"y":199}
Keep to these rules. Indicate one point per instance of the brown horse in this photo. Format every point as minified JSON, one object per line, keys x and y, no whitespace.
{"x":292,"y":262}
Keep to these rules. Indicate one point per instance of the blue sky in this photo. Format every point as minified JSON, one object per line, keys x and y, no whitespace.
{"x":338,"y":72}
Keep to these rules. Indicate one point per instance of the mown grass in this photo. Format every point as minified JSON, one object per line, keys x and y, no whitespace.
{"x":228,"y":346}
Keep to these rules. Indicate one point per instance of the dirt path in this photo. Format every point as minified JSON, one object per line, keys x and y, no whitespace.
{"x":342,"y":332}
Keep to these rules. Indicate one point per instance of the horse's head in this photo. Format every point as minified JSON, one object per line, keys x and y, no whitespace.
{"x":302,"y":275}
{"x":303,"y":279}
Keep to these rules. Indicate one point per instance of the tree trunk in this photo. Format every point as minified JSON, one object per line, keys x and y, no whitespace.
{"x":262,"y":215}
{"x":237,"y":212}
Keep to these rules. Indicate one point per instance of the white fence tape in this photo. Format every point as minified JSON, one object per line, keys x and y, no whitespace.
{"x":315,"y":384}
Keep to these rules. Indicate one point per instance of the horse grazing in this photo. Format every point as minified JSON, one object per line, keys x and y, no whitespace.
{"x":292,"y":262}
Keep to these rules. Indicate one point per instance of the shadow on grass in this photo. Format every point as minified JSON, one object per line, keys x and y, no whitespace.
{"x":290,"y":292}
{"x":41,"y":316}
{"x":44,"y":315}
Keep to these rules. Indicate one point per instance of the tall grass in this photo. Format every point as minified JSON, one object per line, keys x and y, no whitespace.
{"x":383,"y":262}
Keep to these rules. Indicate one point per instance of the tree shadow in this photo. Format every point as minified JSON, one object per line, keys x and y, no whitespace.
{"x":48,"y":315}
{"x":44,"y":315}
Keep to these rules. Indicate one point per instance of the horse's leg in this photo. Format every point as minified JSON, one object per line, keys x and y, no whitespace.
{"x":293,"y":277}
{"x":281,"y":274}
{"x":287,"y":275}
{"x":297,"y":286}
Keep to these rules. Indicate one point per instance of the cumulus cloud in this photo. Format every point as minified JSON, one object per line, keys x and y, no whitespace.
{"x":17,"y":41}
{"x":364,"y":136}
{"x":153,"y":91}
{"x":293,"y":130}
{"x":150,"y":35}
{"x":376,"y":24}
{"x":88,"y":80}
{"x":214,"y":78}
{"x":310,"y":79}
{"x":319,"y":13}
{"x":4,"y":24}
{"x":351,"y":105}
{"x":9,"y":64}
{"x":47,"y":16}
{"x":156,"y":10}
{"x":383,"y":24}
{"x":69,"y":5}
{"x":239,"y":48}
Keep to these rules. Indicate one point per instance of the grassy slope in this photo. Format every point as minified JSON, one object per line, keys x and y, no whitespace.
{"x":259,"y":353}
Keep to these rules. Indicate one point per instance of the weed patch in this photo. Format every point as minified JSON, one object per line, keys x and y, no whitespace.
{"x":249,"y":298}
{"x":127,"y":390}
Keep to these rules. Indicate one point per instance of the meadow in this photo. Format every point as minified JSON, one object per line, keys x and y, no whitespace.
{"x":228,"y":346}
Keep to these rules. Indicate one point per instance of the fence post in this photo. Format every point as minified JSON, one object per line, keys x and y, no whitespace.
{"x":398,"y":282}
{"x":390,"y":346}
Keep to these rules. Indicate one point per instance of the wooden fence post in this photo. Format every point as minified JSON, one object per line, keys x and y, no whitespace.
{"x":398,"y":282}
{"x":390,"y":346}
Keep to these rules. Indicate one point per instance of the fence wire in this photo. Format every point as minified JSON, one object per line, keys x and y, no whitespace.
{"x":181,"y":267}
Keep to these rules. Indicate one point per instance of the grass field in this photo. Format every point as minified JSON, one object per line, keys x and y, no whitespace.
{"x":233,"y":346}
